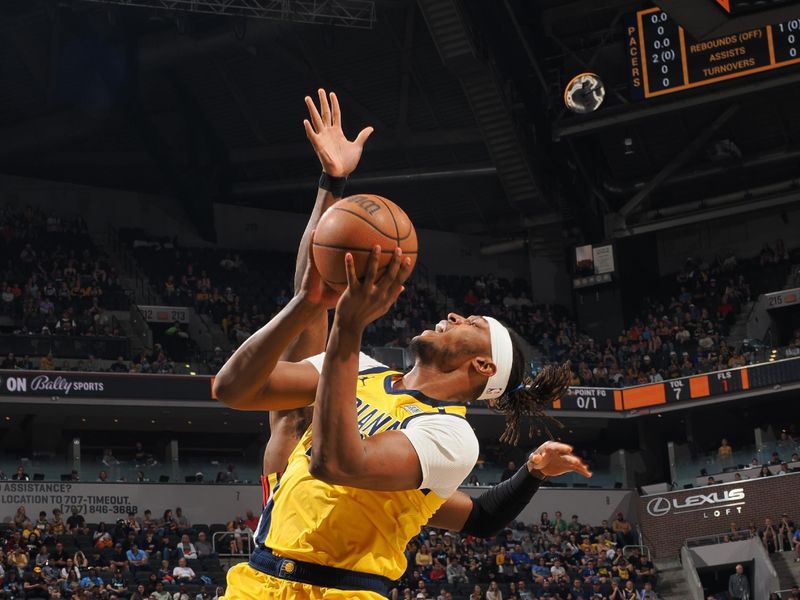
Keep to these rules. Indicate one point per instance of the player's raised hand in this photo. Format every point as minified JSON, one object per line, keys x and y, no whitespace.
{"x":554,"y":458}
{"x":338,"y":155}
{"x":368,"y":299}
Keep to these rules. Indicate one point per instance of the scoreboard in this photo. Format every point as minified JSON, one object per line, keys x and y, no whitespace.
{"x":685,"y":389}
{"x":735,"y":7}
{"x":664,"y":58}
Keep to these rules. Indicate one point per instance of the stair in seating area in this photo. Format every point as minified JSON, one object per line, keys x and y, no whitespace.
{"x":738,"y":331}
{"x":672,"y":582}
{"x":788,"y":570}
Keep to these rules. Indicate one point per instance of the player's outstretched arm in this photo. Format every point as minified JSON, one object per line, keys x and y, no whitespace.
{"x":386,"y":461}
{"x":338,"y":157}
{"x":251,"y":379}
{"x":493,"y":510}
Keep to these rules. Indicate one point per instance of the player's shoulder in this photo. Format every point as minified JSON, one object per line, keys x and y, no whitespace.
{"x":366,"y":363}
{"x":444,"y":425}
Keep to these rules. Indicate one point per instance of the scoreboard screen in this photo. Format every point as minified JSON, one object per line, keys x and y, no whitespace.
{"x":664,"y":58}
{"x":652,"y":396}
{"x":736,"y":7}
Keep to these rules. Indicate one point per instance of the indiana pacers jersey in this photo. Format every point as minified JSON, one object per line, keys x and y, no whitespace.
{"x":355,"y":529}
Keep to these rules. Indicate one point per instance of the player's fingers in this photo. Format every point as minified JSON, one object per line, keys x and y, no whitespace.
{"x":405,"y":271}
{"x":576,"y":464}
{"x":362,"y":136}
{"x":393,"y":267}
{"x":324,"y":107}
{"x":310,"y":133}
{"x":316,"y":120}
{"x":336,"y":112}
{"x":350,"y":270}
{"x":371,"y":272}
{"x":559,"y":447}
{"x":395,"y":294}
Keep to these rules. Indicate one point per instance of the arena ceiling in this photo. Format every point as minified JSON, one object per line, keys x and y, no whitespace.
{"x":466,"y":97}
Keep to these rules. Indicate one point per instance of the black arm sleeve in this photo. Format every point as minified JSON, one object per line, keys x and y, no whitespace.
{"x":498,"y":506}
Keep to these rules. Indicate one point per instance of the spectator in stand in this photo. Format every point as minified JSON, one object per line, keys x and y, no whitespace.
{"x":143,"y":458}
{"x":456,"y":573}
{"x":622,"y":531}
{"x":168,"y":524}
{"x":558,"y":522}
{"x":20,"y":474}
{"x":785,"y":533}
{"x":228,"y":476}
{"x":251,"y":520}
{"x":494,"y":593}
{"x":119,"y":366}
{"x":137,"y":559}
{"x":58,"y":558}
{"x":102,"y":477}
{"x":182,"y":593}
{"x":203,"y":546}
{"x":183,"y":573}
{"x":769,"y":536}
{"x":9,"y":362}
{"x":725,"y":450}
{"x":510,"y":469}
{"x":118,"y":559}
{"x":46,"y":363}
{"x":739,"y":585}
{"x":796,"y":544}
{"x":186,"y":549}
{"x":184,"y":526}
{"x":80,"y":561}
{"x":160,"y":593}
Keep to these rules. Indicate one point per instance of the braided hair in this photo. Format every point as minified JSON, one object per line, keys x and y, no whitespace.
{"x":527,"y":395}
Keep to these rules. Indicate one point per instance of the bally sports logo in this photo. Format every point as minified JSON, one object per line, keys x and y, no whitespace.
{"x":52,"y":385}
{"x":715,"y":504}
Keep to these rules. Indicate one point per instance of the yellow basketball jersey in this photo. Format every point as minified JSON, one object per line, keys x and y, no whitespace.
{"x":349,"y":528}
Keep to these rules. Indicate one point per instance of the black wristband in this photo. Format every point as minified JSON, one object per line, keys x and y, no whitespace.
{"x":498,"y":506}
{"x":334,"y":185}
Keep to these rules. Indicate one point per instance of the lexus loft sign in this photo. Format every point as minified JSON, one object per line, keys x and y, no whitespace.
{"x":712,"y":505}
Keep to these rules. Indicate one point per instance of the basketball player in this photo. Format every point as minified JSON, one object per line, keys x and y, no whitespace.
{"x":427,"y":450}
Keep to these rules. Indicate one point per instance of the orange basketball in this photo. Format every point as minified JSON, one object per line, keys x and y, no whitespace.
{"x":356,"y":224}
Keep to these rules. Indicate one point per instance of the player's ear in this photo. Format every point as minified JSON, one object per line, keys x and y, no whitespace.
{"x":484,"y":365}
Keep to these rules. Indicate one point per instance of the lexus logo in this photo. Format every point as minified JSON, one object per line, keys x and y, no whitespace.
{"x":658,"y":507}
{"x":718,"y":500}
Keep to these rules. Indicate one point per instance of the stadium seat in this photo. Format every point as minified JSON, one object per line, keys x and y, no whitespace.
{"x":198,"y":527}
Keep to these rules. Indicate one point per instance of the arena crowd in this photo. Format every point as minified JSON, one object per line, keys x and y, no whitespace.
{"x":56,"y":282}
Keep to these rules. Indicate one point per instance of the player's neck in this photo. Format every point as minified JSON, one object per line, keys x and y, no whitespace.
{"x":450,"y":386}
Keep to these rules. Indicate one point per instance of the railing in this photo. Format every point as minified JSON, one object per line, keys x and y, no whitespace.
{"x":643,"y":550}
{"x":692,"y":577}
{"x":718,"y":538}
{"x":245,"y":536}
{"x":143,"y":290}
{"x":139,"y":326}
{"x":782,"y":594}
{"x":66,"y":346}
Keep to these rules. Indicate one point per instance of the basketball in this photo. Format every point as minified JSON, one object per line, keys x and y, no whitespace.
{"x":356,"y":224}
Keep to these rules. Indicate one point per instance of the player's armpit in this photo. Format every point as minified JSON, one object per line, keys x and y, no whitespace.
{"x":453,"y":513}
{"x":291,"y":385}
{"x":388,"y":463}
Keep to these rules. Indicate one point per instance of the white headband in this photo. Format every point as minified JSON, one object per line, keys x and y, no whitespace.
{"x":503,"y":358}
